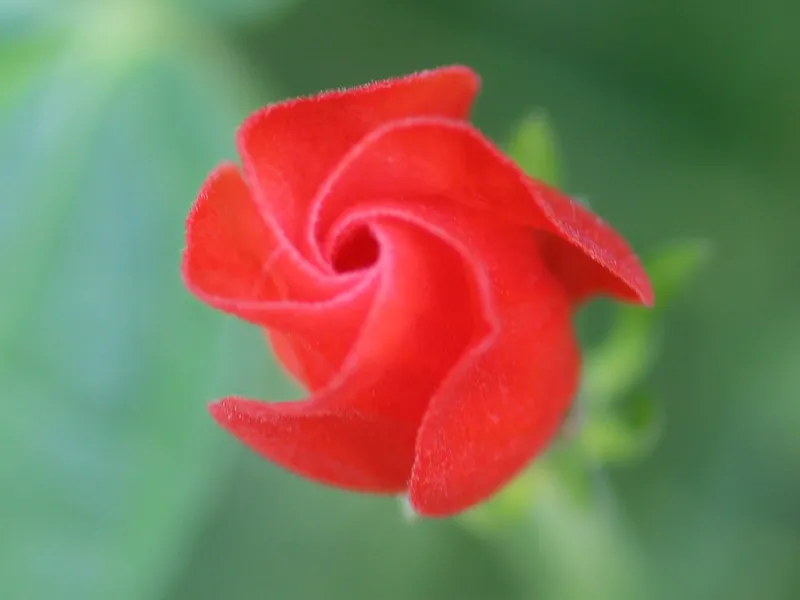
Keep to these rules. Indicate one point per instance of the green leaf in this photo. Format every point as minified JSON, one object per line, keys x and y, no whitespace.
{"x":563,"y":466}
{"x":509,"y":507}
{"x":673,"y":269}
{"x":571,"y":471}
{"x":622,"y":360}
{"x":626,"y":433}
{"x":533,"y":146}
{"x":625,"y":357}
{"x":106,"y":362}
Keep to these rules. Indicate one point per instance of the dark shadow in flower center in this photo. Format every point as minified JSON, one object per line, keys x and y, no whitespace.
{"x":359,"y":250}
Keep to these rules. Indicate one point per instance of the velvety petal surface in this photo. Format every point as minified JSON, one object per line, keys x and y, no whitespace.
{"x":451,"y":160}
{"x":289,"y":148}
{"x":339,"y":448}
{"x":360,"y":431}
{"x":508,"y":394}
{"x":507,"y":399}
{"x":413,"y":278}
{"x":237,"y":261}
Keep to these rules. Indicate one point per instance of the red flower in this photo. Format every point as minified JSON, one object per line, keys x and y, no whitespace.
{"x":412,"y":278}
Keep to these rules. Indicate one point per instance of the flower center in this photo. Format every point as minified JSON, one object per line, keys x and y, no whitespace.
{"x":357,"y":251}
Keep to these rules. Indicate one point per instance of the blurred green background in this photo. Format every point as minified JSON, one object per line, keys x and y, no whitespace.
{"x":676,"y":118}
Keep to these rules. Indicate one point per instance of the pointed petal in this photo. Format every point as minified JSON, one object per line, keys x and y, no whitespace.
{"x":430,"y":157}
{"x":359,"y":432}
{"x":340,"y":448}
{"x":506,"y":399}
{"x":507,"y":395}
{"x":229,"y":247}
{"x":290,"y":147}
{"x":238,"y":262}
{"x":494,"y":414}
{"x":237,"y":257}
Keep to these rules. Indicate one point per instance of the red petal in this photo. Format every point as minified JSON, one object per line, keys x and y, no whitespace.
{"x":508,"y":394}
{"x":229,"y":247}
{"x":238,"y":262}
{"x":497,"y":411}
{"x":359,"y":432}
{"x":237,"y":257}
{"x":289,"y":148}
{"x":508,"y":397}
{"x":341,"y":448}
{"x":428,"y":157}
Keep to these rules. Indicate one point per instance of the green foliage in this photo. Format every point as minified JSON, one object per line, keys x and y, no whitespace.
{"x":627,"y":354}
{"x":615,"y":419}
{"x":117,"y":485}
{"x":534,"y":147}
{"x":106,"y":362}
{"x":628,"y":432}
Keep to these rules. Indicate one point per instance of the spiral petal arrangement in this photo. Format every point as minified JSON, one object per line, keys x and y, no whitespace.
{"x":412,"y":278}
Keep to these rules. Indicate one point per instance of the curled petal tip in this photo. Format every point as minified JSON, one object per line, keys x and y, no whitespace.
{"x":221,"y":410}
{"x":647,"y":295}
{"x":639,"y":284}
{"x":417,"y":507}
{"x":215,"y":409}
